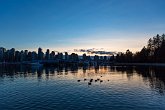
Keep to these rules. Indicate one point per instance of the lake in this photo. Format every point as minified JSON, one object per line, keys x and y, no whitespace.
{"x":68,"y":88}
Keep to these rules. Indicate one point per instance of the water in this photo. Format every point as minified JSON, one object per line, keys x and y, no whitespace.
{"x":123,"y":88}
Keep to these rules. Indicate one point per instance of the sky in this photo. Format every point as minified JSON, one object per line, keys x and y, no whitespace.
{"x":64,"y":25}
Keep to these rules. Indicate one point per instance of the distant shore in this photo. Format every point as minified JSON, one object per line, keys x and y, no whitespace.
{"x":111,"y":64}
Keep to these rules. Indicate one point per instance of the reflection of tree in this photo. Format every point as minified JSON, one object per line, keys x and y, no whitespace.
{"x":124,"y":69}
{"x":155,"y":75}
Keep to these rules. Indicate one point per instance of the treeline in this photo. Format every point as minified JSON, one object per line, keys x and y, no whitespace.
{"x":154,"y":52}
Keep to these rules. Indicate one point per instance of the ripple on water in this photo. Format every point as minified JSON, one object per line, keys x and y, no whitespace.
{"x":54,"y":91}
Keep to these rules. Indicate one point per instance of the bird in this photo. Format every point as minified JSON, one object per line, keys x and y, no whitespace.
{"x":101,"y":81}
{"x":101,"y":76}
{"x":95,"y":80}
{"x":85,"y":79}
{"x":89,"y":83}
{"x":78,"y":80}
{"x":108,"y":79}
{"x":91,"y":80}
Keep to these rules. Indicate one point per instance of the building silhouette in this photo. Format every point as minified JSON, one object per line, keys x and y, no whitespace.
{"x":47,"y":56}
{"x":27,"y":57}
{"x":40,"y":54}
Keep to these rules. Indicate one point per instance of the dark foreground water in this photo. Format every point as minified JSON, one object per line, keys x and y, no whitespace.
{"x":123,"y":88}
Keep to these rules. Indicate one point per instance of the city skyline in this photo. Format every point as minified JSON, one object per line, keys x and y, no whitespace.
{"x":114,"y":25}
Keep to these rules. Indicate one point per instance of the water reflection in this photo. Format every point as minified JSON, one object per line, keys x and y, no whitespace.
{"x":154,"y":75}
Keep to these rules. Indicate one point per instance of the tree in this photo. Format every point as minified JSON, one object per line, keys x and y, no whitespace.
{"x":128,"y":56}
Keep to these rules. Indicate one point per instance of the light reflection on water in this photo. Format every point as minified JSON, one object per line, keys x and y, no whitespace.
{"x":123,"y":88}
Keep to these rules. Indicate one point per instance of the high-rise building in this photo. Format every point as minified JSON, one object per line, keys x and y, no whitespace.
{"x":52,"y":55}
{"x":105,"y":58}
{"x":40,"y":54}
{"x":60,"y":56}
{"x":47,"y":56}
{"x":2,"y":53}
{"x":84,"y":57}
{"x":74,"y":57}
{"x":34,"y":56}
{"x":101,"y":58}
{"x":29,"y":56}
{"x":25,"y":55}
{"x":88,"y":58}
{"x":96,"y":58}
{"x":12,"y":54}
{"x":66,"y":55}
{"x":17,"y":56}
{"x":21,"y":56}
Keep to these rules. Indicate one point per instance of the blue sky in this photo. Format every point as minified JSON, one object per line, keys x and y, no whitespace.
{"x":115,"y":25}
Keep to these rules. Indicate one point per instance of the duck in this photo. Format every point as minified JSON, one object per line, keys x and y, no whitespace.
{"x":78,"y":80}
{"x":91,"y":80}
{"x":98,"y":79}
{"x":89,"y":83}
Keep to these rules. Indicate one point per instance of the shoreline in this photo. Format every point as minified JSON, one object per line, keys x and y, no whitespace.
{"x":112,"y":64}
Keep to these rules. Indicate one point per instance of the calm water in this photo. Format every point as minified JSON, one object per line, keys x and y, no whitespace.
{"x":123,"y":88}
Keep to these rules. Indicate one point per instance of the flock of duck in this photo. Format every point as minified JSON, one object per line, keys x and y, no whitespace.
{"x":92,"y":80}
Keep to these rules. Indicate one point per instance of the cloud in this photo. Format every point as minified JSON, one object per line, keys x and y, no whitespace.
{"x":95,"y":51}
